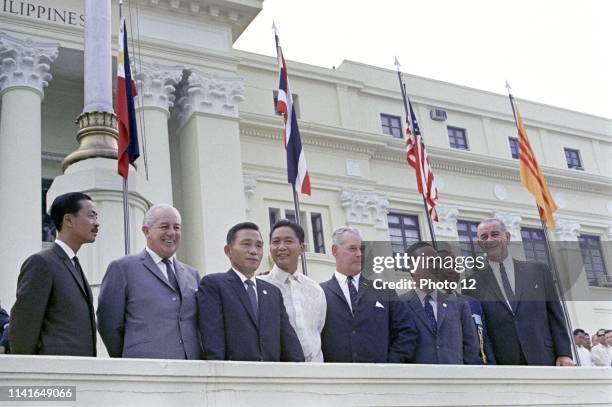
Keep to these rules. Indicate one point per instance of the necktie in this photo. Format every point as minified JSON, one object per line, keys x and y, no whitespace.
{"x":171,"y":276}
{"x":429,"y":313}
{"x":352,"y":292}
{"x":507,"y":287}
{"x":79,"y":269}
{"x":252,"y":296}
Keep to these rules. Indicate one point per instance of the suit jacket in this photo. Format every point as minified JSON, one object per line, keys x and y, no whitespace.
{"x":455,"y":341}
{"x":53,"y":313}
{"x":535,"y":333}
{"x":4,"y":321}
{"x":481,"y":329}
{"x":380,"y":329}
{"x":140,"y":315}
{"x":230,"y":330}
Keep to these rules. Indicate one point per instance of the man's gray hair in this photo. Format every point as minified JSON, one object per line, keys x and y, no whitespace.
{"x":338,"y":235}
{"x":149,"y":218}
{"x":490,"y":220}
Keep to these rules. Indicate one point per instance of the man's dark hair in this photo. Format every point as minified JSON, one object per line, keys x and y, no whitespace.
{"x":297,"y":229}
{"x":231,"y":234}
{"x":601,"y":332}
{"x":579,"y":331}
{"x":607,"y":331}
{"x":416,"y":246}
{"x":66,"y":203}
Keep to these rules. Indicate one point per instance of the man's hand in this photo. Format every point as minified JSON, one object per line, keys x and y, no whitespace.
{"x":2,"y":350}
{"x":565,"y":361}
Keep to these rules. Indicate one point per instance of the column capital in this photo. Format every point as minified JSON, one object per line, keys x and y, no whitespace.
{"x":26,"y":63}
{"x":567,"y":230}
{"x":447,"y":221}
{"x":365,"y":207}
{"x":156,"y":84}
{"x":512,"y":222}
{"x":211,"y":93}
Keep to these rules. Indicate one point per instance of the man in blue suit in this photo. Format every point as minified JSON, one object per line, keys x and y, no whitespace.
{"x":363,"y":324}
{"x":484,"y":343}
{"x":524,"y":317}
{"x":447,"y":334}
{"x":147,"y":304}
{"x":241,"y":317}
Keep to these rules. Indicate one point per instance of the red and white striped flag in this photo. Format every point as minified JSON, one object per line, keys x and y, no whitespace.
{"x":416,"y":155}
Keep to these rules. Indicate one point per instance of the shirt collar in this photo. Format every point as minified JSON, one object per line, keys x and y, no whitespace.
{"x":282,"y":276}
{"x":243,"y":278}
{"x":69,"y":252}
{"x":421,"y":294}
{"x":508,"y":262}
{"x":156,"y":258}
{"x":341,"y":278}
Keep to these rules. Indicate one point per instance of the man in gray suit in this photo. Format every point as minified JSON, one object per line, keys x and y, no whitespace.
{"x":53,"y":313}
{"x":147,"y":303}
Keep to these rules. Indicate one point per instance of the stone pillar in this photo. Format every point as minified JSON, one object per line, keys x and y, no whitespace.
{"x":156,"y":85}
{"x":211,"y":167}
{"x":24,"y":73}
{"x":367,"y":211}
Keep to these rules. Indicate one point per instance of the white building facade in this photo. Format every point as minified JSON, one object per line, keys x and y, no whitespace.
{"x":214,"y":146}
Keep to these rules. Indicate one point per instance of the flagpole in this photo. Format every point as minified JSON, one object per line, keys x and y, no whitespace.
{"x":126,"y":213}
{"x":296,"y":200}
{"x":551,"y":259}
{"x":409,"y":122}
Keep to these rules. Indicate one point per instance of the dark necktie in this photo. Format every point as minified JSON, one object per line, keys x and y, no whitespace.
{"x":171,"y":276}
{"x":80,"y":274}
{"x":507,"y":287}
{"x":429,"y":313}
{"x":352,"y":292}
{"x":252,"y":296}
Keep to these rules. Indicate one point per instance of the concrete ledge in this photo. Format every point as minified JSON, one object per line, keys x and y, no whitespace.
{"x":136,"y":382}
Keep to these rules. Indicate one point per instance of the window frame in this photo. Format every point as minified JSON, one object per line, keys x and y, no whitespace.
{"x":390,"y":127}
{"x":453,"y":137}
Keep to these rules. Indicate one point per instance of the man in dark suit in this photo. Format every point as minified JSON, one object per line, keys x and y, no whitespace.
{"x":450,"y":275}
{"x":53,"y":313}
{"x":241,"y":317}
{"x":447,"y":334}
{"x":524,"y":317}
{"x":147,"y":304}
{"x":363,"y":324}
{"x":4,"y":324}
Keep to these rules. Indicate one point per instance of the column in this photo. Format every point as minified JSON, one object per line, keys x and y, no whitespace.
{"x":24,"y":73}
{"x":211,"y":167}
{"x":156,"y":85}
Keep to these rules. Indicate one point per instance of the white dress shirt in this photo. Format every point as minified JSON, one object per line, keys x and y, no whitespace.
{"x":601,"y":355}
{"x":584,"y":355}
{"x":306,"y":306}
{"x":343,"y":281}
{"x":67,"y":249}
{"x":243,"y":278}
{"x":509,"y":266}
{"x":159,"y":262}
{"x":433,"y":301}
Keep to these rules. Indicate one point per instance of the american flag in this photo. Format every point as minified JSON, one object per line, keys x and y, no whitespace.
{"x":297,"y":173}
{"x":416,"y":155}
{"x":124,"y":107}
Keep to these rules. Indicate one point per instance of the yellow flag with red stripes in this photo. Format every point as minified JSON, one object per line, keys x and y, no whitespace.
{"x":531,"y":174}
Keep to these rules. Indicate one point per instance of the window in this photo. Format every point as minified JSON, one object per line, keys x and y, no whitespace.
{"x":592,"y":258}
{"x":296,"y":103}
{"x":48,"y":228}
{"x":391,"y":125}
{"x":317,"y":233}
{"x":573,"y":159}
{"x":403,"y":231}
{"x":457,"y":138}
{"x":534,"y":245}
{"x":468,"y":238}
{"x":514,"y":147}
{"x":316,"y":240}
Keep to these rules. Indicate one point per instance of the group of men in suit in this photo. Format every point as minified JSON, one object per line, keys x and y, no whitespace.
{"x":153,"y":306}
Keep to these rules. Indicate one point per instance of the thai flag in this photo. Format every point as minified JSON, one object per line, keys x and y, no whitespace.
{"x":128,"y":150}
{"x":297,"y":173}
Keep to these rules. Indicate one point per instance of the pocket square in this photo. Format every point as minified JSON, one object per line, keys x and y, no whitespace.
{"x":379,"y":305}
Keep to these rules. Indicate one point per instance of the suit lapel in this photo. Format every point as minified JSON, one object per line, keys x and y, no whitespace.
{"x":148,"y":262}
{"x":81,"y":282}
{"x":238,"y":286}
{"x":335,"y":288}
{"x":262,"y":303}
{"x":520,"y":280}
{"x":495,"y":289}
{"x":442,"y":306}
{"x":417,"y":308}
